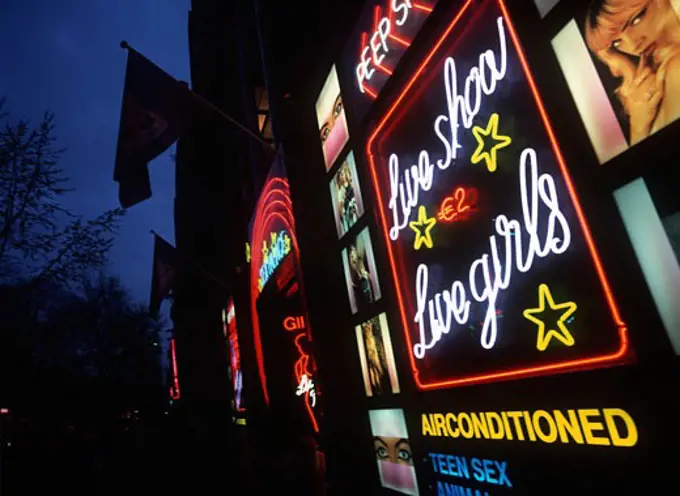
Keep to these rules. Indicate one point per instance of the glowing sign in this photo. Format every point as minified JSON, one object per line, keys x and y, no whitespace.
{"x":380,"y":38}
{"x":293,"y":323}
{"x":458,"y":206}
{"x":306,"y":386}
{"x":272,"y":254}
{"x":231,"y":333}
{"x":466,"y":295}
{"x":175,"y":393}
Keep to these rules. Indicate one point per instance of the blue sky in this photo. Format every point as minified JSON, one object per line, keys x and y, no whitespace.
{"x":66,"y":57}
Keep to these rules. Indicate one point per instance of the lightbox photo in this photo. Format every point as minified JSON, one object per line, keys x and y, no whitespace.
{"x":621,"y":61}
{"x":393,"y":451}
{"x":363,"y":287}
{"x":330,"y":114}
{"x":348,"y":205}
{"x":376,"y":356}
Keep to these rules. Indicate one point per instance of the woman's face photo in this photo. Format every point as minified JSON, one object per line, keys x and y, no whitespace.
{"x":330,"y":113}
{"x":393,"y":450}
{"x":348,"y":204}
{"x":640,"y":34}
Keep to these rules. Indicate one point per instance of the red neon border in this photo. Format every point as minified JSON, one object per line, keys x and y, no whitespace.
{"x":566,"y":365}
{"x":175,"y":393}
{"x":274,"y":203}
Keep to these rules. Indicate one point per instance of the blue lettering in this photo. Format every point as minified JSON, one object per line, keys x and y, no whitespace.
{"x":477,"y":470}
{"x":446,"y":489}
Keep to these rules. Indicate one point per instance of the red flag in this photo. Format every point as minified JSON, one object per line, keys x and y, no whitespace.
{"x":166,"y":264}
{"x":152,"y":116}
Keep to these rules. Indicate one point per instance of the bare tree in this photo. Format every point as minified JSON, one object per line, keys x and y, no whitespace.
{"x":40,"y":240}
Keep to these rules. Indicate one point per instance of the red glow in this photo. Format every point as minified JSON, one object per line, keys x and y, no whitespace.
{"x":293,"y":323}
{"x":174,"y":388}
{"x":458,"y":206}
{"x":399,"y":40}
{"x":301,"y":368}
{"x":616,"y":356}
{"x":274,"y":205}
{"x":420,"y":6}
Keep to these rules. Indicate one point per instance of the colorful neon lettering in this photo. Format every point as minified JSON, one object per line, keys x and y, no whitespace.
{"x":563,"y":335}
{"x":439,"y":309}
{"x":458,"y":206}
{"x":272,"y":256}
{"x":489,"y":156}
{"x":422,"y":228}
{"x":404,"y":191}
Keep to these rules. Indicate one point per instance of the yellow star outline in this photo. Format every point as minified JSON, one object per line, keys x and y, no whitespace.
{"x":422,"y":228}
{"x":544,"y":337}
{"x":501,"y":142}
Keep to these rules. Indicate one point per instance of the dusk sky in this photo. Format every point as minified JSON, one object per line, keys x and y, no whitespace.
{"x":65,"y":57}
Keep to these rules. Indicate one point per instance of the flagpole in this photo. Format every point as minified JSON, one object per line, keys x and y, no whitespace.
{"x":126,"y":46}
{"x":193,"y":262}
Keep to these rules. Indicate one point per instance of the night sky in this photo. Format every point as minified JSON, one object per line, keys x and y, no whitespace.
{"x":66,"y":57}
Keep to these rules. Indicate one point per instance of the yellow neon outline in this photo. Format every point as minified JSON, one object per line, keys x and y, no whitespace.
{"x":422,"y":225}
{"x":501,"y":142}
{"x":544,"y":338}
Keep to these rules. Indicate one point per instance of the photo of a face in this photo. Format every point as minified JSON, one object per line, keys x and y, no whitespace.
{"x":621,"y":59}
{"x":330,"y":114}
{"x":393,"y":451}
{"x":376,"y":356}
{"x":360,"y":272}
{"x":346,"y":195}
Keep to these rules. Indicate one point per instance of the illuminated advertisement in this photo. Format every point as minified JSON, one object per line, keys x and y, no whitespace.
{"x":393,"y":451}
{"x":330,"y":115}
{"x":348,"y":205}
{"x":361,"y":275}
{"x":376,"y":356}
{"x":620,"y":61}
{"x":379,"y":40}
{"x":483,"y":227}
{"x":236,"y":374}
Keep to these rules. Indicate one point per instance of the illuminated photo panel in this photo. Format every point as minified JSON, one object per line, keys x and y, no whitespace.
{"x":620,"y":61}
{"x":496,"y":273}
{"x":361,"y":275}
{"x":330,"y":114}
{"x":235,"y":372}
{"x":376,"y":356}
{"x":393,"y":451}
{"x":348,"y":206}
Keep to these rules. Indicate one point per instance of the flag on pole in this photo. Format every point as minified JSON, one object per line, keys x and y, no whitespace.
{"x":153,"y":113}
{"x":166,"y":265}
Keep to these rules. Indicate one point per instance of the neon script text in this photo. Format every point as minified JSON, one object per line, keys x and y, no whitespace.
{"x":514,"y":244}
{"x":481,"y":80}
{"x":376,"y":50}
{"x":306,"y":385}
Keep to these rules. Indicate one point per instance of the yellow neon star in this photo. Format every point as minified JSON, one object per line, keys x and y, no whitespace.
{"x":422,"y":228}
{"x":501,"y":142}
{"x":563,"y":334}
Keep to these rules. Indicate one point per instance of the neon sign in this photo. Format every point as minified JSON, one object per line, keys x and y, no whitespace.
{"x":458,"y":206}
{"x":293,"y":323}
{"x":306,"y":386}
{"x":468,"y":303}
{"x":175,"y":393}
{"x":272,"y":255}
{"x":380,"y":38}
{"x":231,"y":334}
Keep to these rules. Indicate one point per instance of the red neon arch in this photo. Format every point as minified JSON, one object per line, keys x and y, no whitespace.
{"x":273,"y":205}
{"x":615,"y":356}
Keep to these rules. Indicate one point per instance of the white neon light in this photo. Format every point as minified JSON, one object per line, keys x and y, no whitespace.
{"x":481,"y":80}
{"x":306,"y":385}
{"x":377,"y":45}
{"x":538,"y":197}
